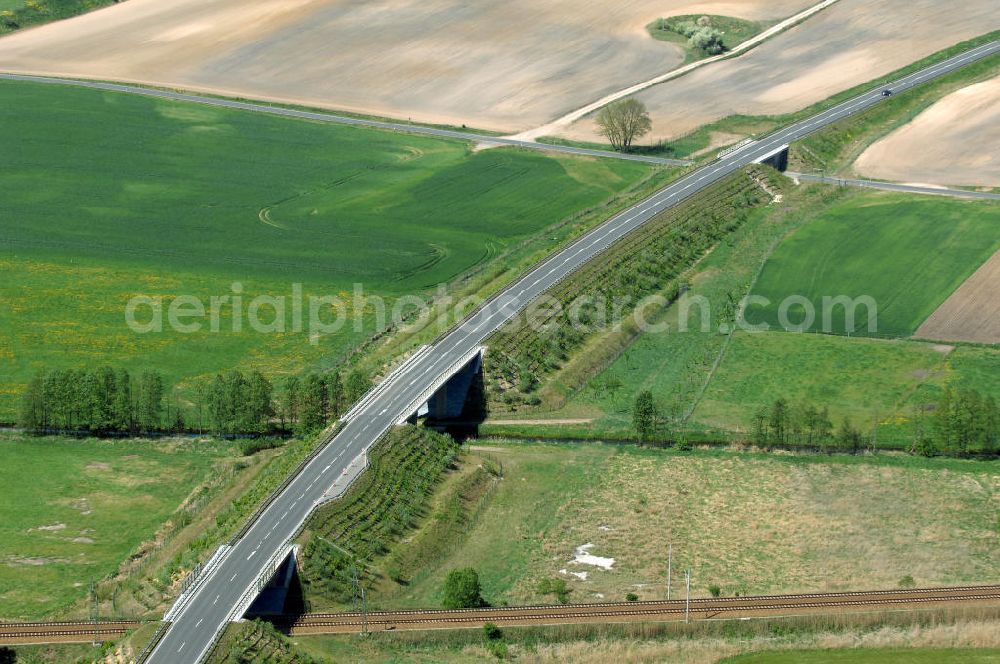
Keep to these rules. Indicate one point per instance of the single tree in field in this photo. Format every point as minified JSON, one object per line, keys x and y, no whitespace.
{"x":313,"y":403}
{"x":623,"y":121}
{"x":32,"y":416}
{"x":335,"y":387}
{"x":290,"y":404}
{"x":644,"y":415}
{"x":778,"y":423}
{"x":462,"y":589}
{"x":760,"y":431}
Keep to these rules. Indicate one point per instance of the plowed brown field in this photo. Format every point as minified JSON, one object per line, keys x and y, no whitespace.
{"x":972,"y":313}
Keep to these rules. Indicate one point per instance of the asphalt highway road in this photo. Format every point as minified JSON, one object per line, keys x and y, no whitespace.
{"x":895,"y":186}
{"x":199,"y":621}
{"x":406,"y":127}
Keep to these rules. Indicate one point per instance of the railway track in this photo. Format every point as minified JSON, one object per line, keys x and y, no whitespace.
{"x":722,"y":608}
{"x":654,"y":611}
{"x":64,"y":632}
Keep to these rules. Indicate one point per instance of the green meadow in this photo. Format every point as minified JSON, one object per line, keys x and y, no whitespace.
{"x":74,"y":509}
{"x":872,"y":656}
{"x":908,"y":254}
{"x":750,"y":523}
{"x":858,"y":379}
{"x":110,"y":196}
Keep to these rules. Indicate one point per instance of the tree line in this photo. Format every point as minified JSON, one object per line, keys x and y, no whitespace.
{"x":318,"y":399}
{"x":108,"y":401}
{"x":802,"y":424}
{"x":99,"y":400}
{"x":961,"y":422}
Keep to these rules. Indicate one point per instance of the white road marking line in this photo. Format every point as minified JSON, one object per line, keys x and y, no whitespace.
{"x":234,"y":575}
{"x":182,"y":646}
{"x":199,"y":622}
{"x":216,"y":600}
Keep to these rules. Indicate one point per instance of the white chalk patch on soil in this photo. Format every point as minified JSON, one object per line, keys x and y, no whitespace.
{"x":53,"y":528}
{"x":582,"y":556}
{"x":580,"y":575}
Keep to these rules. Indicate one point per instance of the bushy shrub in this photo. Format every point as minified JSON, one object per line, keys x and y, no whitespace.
{"x":708,"y":40}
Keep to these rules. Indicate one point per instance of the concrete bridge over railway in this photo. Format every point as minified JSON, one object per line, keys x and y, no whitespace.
{"x":236,"y":572}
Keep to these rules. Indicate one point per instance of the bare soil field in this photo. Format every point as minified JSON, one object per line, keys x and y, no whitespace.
{"x":504,"y":66}
{"x":971,"y":313}
{"x":847,"y":44}
{"x":955,"y":141}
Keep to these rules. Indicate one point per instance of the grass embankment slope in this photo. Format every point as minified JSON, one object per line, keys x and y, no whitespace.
{"x":75,"y":509}
{"x":393,"y":521}
{"x":117,"y":196}
{"x":701,"y":643}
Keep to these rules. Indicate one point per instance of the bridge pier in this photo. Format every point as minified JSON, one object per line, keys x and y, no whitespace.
{"x":447,"y":397}
{"x":274,"y":593}
{"x":777,"y":158}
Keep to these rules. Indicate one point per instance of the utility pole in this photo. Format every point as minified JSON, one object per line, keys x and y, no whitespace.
{"x":687,"y":604}
{"x":94,"y":611}
{"x":670,"y":566}
{"x":357,"y":585}
{"x":364,"y":613}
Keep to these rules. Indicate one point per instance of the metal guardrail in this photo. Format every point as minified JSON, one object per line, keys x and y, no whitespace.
{"x":443,"y":378}
{"x":725,"y":152}
{"x":384,"y":384}
{"x":249,"y":523}
{"x":153,"y":642}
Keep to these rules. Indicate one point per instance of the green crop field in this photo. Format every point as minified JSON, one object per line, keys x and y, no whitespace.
{"x":108,"y":196}
{"x":861,"y":379}
{"x":75,"y":508}
{"x":699,"y":377}
{"x":873,"y":656}
{"x":907,"y":254}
